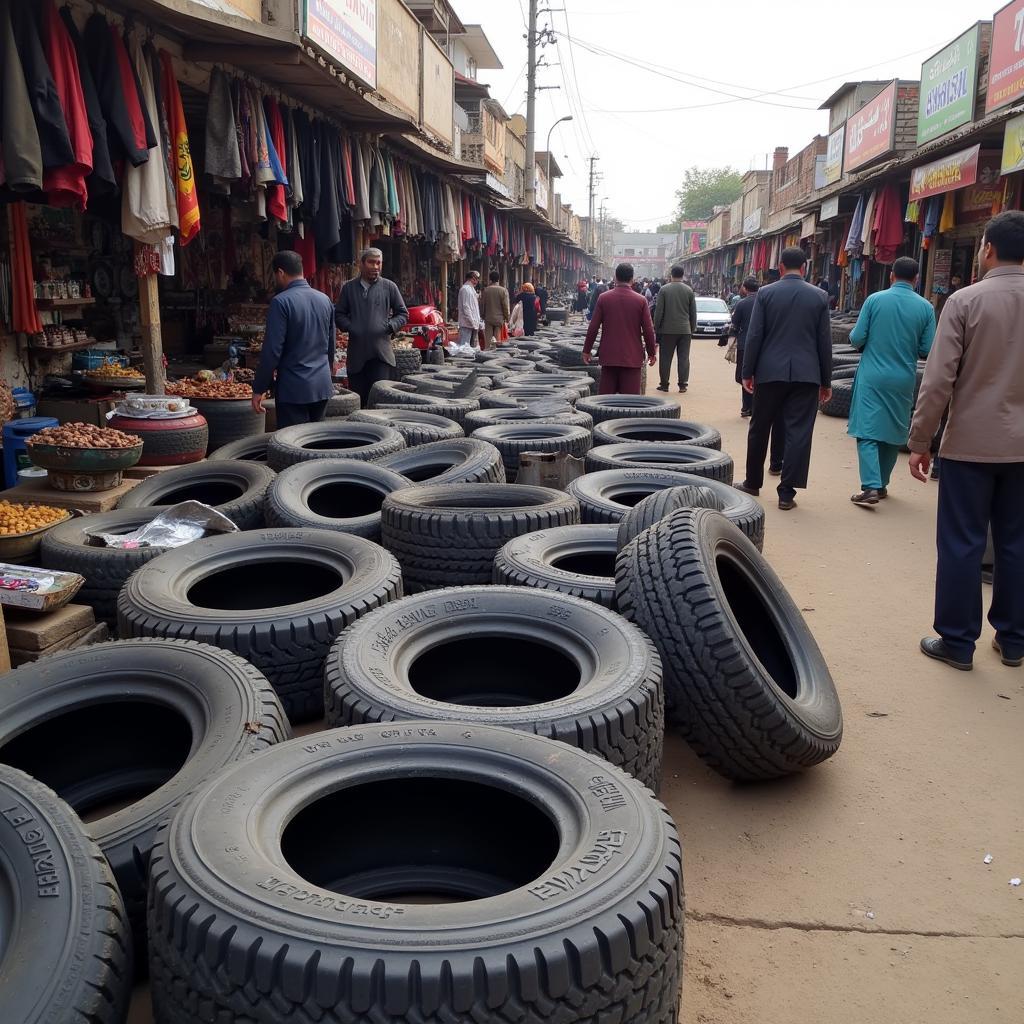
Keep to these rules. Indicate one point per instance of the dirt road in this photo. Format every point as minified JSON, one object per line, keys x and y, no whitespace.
{"x":858,"y":893}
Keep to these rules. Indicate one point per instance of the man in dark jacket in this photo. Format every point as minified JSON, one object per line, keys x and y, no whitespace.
{"x":371,"y":309}
{"x":298,"y":345}
{"x":787,"y":367}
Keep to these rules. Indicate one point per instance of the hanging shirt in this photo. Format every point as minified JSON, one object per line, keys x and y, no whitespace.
{"x":223,"y":159}
{"x":21,"y":167}
{"x":180,"y":156}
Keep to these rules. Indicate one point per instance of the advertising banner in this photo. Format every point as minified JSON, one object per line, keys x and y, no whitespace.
{"x":834,"y":156}
{"x":958,"y":170}
{"x":829,"y":208}
{"x":1006,"y":62}
{"x":977,"y":201}
{"x":948,"y":87}
{"x":871,"y":132}
{"x":1013,"y":146}
{"x":347,"y":31}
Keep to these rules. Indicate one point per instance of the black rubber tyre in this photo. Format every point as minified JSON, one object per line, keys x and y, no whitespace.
{"x":342,"y":403}
{"x":229,"y":419}
{"x":569,"y":353}
{"x":613,"y":407}
{"x":839,"y":404}
{"x":555,"y":378}
{"x":745,"y":681}
{"x":576,"y":560}
{"x":395,"y":393}
{"x":332,"y":494}
{"x":657,"y":429}
{"x":138,"y":724}
{"x":283,"y":597}
{"x":248,"y":449}
{"x":68,"y":548}
{"x":607,"y":496}
{"x":488,"y":417}
{"x":844,"y":373}
{"x":566,"y":875}
{"x":407,"y":360}
{"x":743,"y":511}
{"x":556,"y":666}
{"x":65,"y":951}
{"x":513,"y":439}
{"x":525,"y":394}
{"x":332,"y":439}
{"x":448,"y":535}
{"x":461,"y":461}
{"x":416,"y":427}
{"x":236,"y":489}
{"x":679,"y":458}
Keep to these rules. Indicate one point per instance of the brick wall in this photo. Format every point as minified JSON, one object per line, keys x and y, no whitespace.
{"x":907,"y":97}
{"x":794,"y":181}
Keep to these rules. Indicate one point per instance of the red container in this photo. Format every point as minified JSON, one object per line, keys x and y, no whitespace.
{"x":167,"y":442}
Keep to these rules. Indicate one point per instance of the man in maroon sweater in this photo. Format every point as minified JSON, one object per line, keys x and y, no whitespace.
{"x":624,"y":319}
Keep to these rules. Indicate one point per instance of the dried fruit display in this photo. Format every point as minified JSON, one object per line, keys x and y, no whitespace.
{"x":84,"y":435}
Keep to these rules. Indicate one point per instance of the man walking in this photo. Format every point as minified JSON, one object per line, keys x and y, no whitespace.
{"x":599,"y":289}
{"x":624,"y":320}
{"x":496,"y":310}
{"x":298,"y":344}
{"x":371,"y":309}
{"x":471,"y":325}
{"x":787,"y":367}
{"x":895,"y":329}
{"x":976,"y":366}
{"x":675,"y":318}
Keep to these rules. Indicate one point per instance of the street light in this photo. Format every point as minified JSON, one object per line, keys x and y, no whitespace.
{"x":547,"y":147}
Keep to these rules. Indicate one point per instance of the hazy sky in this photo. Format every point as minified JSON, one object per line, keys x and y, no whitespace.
{"x":672,"y":53}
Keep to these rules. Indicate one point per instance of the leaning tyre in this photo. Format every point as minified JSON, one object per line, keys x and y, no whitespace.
{"x":277,"y":598}
{"x":759,"y":701}
{"x":235,"y":489}
{"x":513,"y":439}
{"x":607,"y":496}
{"x":126,"y":730}
{"x":613,"y":407}
{"x":659,"y":430}
{"x":342,"y":403}
{"x":332,"y":439}
{"x":67,"y":950}
{"x":407,"y":360}
{"x":229,"y":419}
{"x":460,"y":461}
{"x":524,"y":394}
{"x":488,"y":417}
{"x":332,"y":494}
{"x":576,"y":560}
{"x":556,"y":666}
{"x":248,"y":449}
{"x":554,"y":878}
{"x":839,"y":404}
{"x":447,"y":535}
{"x":680,"y":458}
{"x":416,"y":427}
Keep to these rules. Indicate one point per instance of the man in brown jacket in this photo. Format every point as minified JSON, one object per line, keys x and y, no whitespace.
{"x":495,"y":309}
{"x":976,"y":367}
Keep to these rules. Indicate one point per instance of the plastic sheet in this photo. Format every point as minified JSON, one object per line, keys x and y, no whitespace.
{"x":179,"y":525}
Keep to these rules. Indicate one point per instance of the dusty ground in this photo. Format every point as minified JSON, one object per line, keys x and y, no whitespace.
{"x":781,"y":878}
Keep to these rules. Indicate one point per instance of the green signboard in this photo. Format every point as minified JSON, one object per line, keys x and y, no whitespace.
{"x":949,"y":83}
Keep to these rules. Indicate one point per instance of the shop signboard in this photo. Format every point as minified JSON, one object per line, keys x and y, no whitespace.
{"x":871,"y":132}
{"x":1013,"y":146}
{"x":958,"y":170}
{"x":540,"y":185}
{"x":400,"y":54}
{"x":808,"y":226}
{"x":834,"y":156}
{"x":1006,"y":60}
{"x":976,"y":202}
{"x":829,"y":208}
{"x":752,"y":221}
{"x":347,"y":31}
{"x":438,"y":90}
{"x":949,"y":83}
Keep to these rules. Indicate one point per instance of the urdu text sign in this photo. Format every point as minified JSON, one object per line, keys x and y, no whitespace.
{"x":948,"y":87}
{"x":871,"y":132}
{"x":946,"y":175}
{"x":1006,"y":63}
{"x":347,"y":31}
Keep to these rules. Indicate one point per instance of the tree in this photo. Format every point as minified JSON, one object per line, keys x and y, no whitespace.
{"x":704,"y":188}
{"x":668,"y":229}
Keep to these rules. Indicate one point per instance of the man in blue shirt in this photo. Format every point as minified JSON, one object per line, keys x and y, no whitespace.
{"x":298,"y":344}
{"x":895,"y":329}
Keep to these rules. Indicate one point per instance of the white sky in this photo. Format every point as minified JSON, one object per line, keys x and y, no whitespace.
{"x":802,"y":50}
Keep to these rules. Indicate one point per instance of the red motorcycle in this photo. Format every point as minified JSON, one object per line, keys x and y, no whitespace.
{"x":426,"y":325}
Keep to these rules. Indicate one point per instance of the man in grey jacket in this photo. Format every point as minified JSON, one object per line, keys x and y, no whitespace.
{"x":371,"y":309}
{"x":976,"y":367}
{"x":675,"y":317}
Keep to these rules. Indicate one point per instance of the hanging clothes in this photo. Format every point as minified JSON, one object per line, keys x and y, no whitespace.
{"x":309,"y":165}
{"x":328,"y":219}
{"x":361,"y":174}
{"x":294,"y":166}
{"x":223,"y":158}
{"x":948,"y":220}
{"x":867,"y":241}
{"x":853,"y":239}
{"x":25,"y":316}
{"x":163,"y":127}
{"x":277,"y":205}
{"x":888,"y":227}
{"x":180,"y":157}
{"x":378,"y":191}
{"x":21,"y":166}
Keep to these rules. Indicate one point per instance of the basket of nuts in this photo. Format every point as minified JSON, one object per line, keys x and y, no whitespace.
{"x":84,"y":457}
{"x":22,"y":527}
{"x":114,"y":377}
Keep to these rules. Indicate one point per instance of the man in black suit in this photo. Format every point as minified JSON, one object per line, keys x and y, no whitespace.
{"x":787,"y":366}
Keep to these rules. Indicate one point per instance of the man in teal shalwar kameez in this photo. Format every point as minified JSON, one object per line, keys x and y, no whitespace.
{"x":895,"y":329}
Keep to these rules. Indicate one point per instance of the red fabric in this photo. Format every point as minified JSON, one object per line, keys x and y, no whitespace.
{"x":346,"y":162}
{"x":467,"y":219}
{"x":620,"y":380}
{"x":180,"y":156}
{"x":622,"y":315}
{"x":306,"y":248}
{"x":276,"y":204}
{"x":66,"y":186}
{"x":25,"y":316}
{"x":887,"y":231}
{"x":132,"y":102}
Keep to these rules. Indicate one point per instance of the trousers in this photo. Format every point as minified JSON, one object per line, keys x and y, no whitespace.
{"x":876,"y":461}
{"x":492,"y":334}
{"x":290,"y":413}
{"x":789,"y":409}
{"x":372,"y":371}
{"x":670,"y":345}
{"x":973,"y":495}
{"x":619,"y":380}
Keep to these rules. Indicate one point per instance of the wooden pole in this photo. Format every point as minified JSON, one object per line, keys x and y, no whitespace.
{"x":152,"y":342}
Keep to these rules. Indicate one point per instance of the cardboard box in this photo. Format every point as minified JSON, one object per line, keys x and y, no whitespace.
{"x":41,"y":590}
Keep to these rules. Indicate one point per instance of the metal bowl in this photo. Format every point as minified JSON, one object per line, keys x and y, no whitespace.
{"x":84,"y":460}
{"x":108,"y":384}
{"x":23,"y":545}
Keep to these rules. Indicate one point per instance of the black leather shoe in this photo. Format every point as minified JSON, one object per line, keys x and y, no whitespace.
{"x":1007,"y":659}
{"x":787,"y":505}
{"x":742,"y":486}
{"x":775,"y":470}
{"x":682,"y":388}
{"x":745,"y":414}
{"x":661,"y":388}
{"x":937,"y":649}
{"x":867,"y":497}
{"x":883,"y":493}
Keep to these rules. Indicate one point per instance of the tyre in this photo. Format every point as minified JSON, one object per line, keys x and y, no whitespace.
{"x":757,"y":701}
{"x":415,"y":427}
{"x":447,"y":535}
{"x":488,"y":417}
{"x":67,"y":952}
{"x":124,"y":731}
{"x":839,"y":404}
{"x":461,"y":461}
{"x":72,"y":547}
{"x":524,"y":395}
{"x":844,"y":373}
{"x":607,"y":496}
{"x":394,"y":392}
{"x":513,"y":439}
{"x":613,"y":407}
{"x":342,"y":403}
{"x":331,"y":494}
{"x":332,"y":439}
{"x":169,"y":442}
{"x":277,"y":598}
{"x":248,"y":449}
{"x":557,"y":378}
{"x":680,"y":458}
{"x":235,"y":489}
{"x":556,"y":666}
{"x":576,"y":560}
{"x":743,"y":511}
{"x":655,"y":429}
{"x":407,"y":360}
{"x":555,"y":879}
{"x":451,"y":408}
{"x":229,"y":419}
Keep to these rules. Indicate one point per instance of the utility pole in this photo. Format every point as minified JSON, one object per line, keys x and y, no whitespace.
{"x":590,"y":222}
{"x":531,"y":107}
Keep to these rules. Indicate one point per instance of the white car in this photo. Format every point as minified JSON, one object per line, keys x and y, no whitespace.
{"x":713,"y":319}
